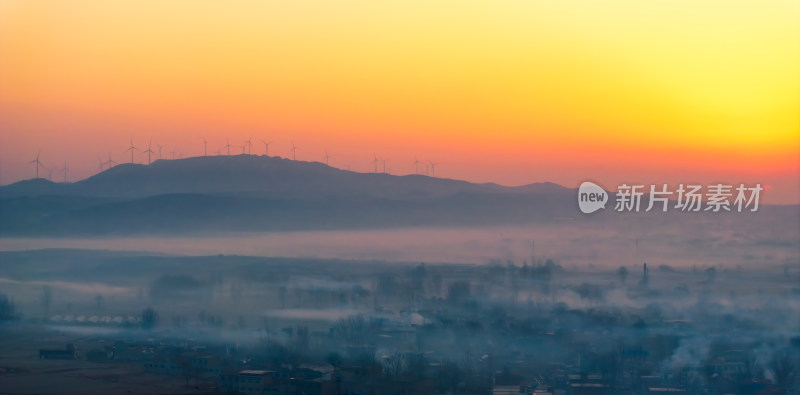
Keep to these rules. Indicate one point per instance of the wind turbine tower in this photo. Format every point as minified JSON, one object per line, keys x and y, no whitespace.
{"x":294,"y":151}
{"x":64,"y":170}
{"x":375,"y":163}
{"x":110,"y":162}
{"x":326,"y":157}
{"x":131,"y":149}
{"x":266,"y":147}
{"x":36,"y":161}
{"x":148,"y":152}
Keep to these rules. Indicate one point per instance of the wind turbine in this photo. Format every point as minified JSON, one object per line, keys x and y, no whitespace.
{"x":205,"y":147}
{"x":249,"y":143}
{"x":148,"y":152}
{"x":433,"y":169}
{"x":49,"y":173}
{"x":37,"y":164}
{"x":326,"y":157}
{"x":384,"y":165}
{"x":228,"y":146}
{"x":102,"y":164}
{"x":294,"y":151}
{"x":266,"y":147}
{"x":65,"y":170}
{"x":375,"y":162}
{"x":131,"y":149}
{"x":110,"y":162}
{"x":416,"y":165}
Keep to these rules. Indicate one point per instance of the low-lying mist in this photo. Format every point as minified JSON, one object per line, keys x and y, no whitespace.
{"x":447,"y":308}
{"x":682,"y":241}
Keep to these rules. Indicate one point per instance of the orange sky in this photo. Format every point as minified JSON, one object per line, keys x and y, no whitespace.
{"x":507,"y":91}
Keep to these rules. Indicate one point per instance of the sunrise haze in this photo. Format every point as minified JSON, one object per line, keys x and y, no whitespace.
{"x":511,"y":92}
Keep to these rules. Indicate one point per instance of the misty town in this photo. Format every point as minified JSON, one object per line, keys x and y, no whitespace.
{"x":339,"y":327}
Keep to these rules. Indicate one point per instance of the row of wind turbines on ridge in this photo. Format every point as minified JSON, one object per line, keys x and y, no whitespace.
{"x":427,"y":168}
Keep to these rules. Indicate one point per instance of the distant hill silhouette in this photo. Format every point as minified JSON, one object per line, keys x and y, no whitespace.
{"x":222,"y":194}
{"x":252,"y":175}
{"x":251,"y":193}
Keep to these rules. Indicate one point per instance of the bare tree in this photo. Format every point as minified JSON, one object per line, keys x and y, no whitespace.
{"x":394,"y":365}
{"x":149,"y":318}
{"x":783,"y":367}
{"x":351,"y":329}
{"x":8,"y":310}
{"x":622,"y":272}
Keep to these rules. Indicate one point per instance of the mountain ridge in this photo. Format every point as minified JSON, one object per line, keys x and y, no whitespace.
{"x":260,"y":176}
{"x":259,"y":193}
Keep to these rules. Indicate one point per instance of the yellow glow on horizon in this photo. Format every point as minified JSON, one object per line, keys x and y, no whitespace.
{"x":717,"y":79}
